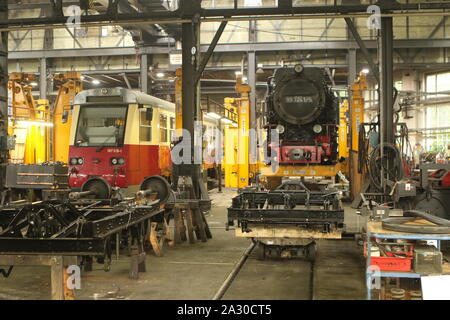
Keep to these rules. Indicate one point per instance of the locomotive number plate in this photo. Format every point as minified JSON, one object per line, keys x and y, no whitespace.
{"x":299,"y":99}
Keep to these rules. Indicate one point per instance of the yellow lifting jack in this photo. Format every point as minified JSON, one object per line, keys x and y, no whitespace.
{"x":29,"y":121}
{"x":238,"y":169}
{"x":62,"y":113}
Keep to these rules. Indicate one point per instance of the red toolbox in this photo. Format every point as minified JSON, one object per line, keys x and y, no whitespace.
{"x":392,"y":264}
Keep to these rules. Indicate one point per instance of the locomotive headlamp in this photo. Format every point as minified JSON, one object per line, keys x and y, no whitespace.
{"x":74,"y":161}
{"x":80,"y":161}
{"x":317,"y":128}
{"x":280,"y":129}
{"x":121,"y":161}
{"x":299,"y":68}
{"x":114,"y":161}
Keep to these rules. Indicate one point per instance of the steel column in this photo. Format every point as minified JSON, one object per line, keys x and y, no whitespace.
{"x":43,"y":78}
{"x":386,"y":96}
{"x":352,"y":66}
{"x":251,"y":56}
{"x":144,"y":73}
{"x":386,"y":81}
{"x":3,"y":91}
{"x":188,"y":85}
{"x":190,"y":92}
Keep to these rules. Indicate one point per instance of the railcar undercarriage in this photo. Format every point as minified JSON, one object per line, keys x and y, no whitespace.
{"x":288,"y":219}
{"x":85,"y":228}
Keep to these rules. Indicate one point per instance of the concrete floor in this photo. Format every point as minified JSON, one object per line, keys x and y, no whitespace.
{"x":191,"y":272}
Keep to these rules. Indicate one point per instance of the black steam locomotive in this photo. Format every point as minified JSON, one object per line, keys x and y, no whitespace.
{"x":305,"y":113}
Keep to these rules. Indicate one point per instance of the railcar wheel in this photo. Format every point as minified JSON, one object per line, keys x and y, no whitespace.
{"x":261,"y":251}
{"x":99,"y":187}
{"x":158,"y":185}
{"x":311,"y":251}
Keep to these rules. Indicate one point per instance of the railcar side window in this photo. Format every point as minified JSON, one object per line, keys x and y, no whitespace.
{"x":163,"y":128}
{"x":101,"y":126}
{"x":145,"y":129}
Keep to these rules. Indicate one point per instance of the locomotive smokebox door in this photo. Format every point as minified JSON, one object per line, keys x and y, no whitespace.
{"x":298,"y":98}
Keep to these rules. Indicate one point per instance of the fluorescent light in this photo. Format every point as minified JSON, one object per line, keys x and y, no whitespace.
{"x":33,"y":84}
{"x":160,"y":75}
{"x":82,"y":77}
{"x":238,"y":73}
{"x":213,"y":115}
{"x":34,"y":123}
{"x":365,"y":70}
{"x":226,"y":121}
{"x":234,"y":124}
{"x":95,"y":81}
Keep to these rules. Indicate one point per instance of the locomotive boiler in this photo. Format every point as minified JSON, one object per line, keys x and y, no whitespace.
{"x":303,"y":110}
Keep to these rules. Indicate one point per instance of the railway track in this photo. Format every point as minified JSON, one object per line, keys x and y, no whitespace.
{"x":233,"y":278}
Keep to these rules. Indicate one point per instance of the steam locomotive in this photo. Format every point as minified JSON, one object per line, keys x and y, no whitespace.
{"x":305,"y":113}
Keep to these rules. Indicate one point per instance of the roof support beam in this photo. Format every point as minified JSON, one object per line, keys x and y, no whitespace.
{"x":238,"y":47}
{"x":362,"y":46}
{"x":177,"y":17}
{"x":210,"y":50}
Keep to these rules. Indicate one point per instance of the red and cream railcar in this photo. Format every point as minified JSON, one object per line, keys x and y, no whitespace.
{"x":119,"y":136}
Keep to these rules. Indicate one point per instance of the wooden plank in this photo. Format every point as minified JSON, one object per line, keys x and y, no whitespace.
{"x":446,"y":268}
{"x":57,"y":278}
{"x":286,"y":232}
{"x":178,"y":226}
{"x":190,"y":226}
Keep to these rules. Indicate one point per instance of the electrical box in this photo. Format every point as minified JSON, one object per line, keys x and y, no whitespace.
{"x":427,"y":260}
{"x":404,"y":189}
{"x":41,"y":177}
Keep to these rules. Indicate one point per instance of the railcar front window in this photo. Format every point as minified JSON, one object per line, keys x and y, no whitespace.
{"x":101,"y":126}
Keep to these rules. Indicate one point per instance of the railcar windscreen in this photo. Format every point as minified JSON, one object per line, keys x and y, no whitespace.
{"x":101,"y":126}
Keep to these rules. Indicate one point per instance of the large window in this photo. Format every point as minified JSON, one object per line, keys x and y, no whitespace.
{"x":101,"y":126}
{"x":437,"y":83}
{"x":438,"y":113}
{"x":438,"y":117}
{"x":145,"y":127}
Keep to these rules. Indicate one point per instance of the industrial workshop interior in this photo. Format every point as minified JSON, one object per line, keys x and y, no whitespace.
{"x":232,"y":150}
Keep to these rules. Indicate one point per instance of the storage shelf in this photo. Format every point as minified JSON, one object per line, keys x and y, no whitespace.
{"x":395,"y":274}
{"x":375,"y":230}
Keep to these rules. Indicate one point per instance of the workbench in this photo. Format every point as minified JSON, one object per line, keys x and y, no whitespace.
{"x":375,"y":230}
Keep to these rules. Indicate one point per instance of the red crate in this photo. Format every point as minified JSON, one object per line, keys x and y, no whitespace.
{"x":392,"y":264}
